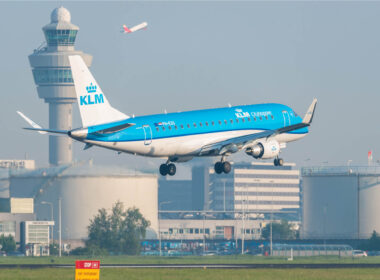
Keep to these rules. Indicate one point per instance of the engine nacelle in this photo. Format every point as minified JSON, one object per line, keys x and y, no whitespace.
{"x":264,"y":150}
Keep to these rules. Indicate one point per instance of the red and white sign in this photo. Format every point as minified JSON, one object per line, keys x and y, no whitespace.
{"x":87,"y":270}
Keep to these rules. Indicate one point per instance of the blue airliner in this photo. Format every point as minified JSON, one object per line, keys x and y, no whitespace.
{"x":260,"y":130}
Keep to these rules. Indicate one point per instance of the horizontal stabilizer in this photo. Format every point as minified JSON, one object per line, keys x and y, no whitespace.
{"x":44,"y":131}
{"x":32,"y":123}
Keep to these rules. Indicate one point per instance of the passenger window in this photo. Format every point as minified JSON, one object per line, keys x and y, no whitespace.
{"x":243,"y":120}
{"x":188,"y":125}
{"x":272,"y":117}
{"x":237,"y":120}
{"x":266,"y":117}
{"x":249,"y":119}
{"x":157,"y":129}
{"x":163,"y":128}
{"x":206,"y":123}
{"x":261,"y":118}
{"x":170,"y":127}
{"x":219,"y":122}
{"x":225,"y":121}
{"x":181,"y":125}
{"x":200,"y":124}
{"x":176,"y":127}
{"x":254,"y":118}
{"x":212,"y":123}
{"x":195,"y":125}
{"x":231,"y":121}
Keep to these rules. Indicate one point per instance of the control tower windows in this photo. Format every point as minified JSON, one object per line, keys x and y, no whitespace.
{"x":51,"y":75}
{"x":60,"y":37}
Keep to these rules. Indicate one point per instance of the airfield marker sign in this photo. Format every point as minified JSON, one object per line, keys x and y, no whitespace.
{"x":87,"y":270}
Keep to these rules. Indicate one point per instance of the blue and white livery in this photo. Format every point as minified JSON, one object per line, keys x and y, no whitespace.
{"x":260,"y":130}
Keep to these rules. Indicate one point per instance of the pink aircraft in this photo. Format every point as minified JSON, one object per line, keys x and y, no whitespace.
{"x":134,"y":28}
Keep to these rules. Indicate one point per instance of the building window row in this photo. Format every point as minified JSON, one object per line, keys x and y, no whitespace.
{"x":269,"y":176}
{"x":266,"y":185}
{"x":250,"y":231}
{"x":268,"y":193}
{"x":188,"y":231}
{"x":52,"y":75}
{"x":60,"y":37}
{"x":266,"y":202}
{"x":7,"y":226}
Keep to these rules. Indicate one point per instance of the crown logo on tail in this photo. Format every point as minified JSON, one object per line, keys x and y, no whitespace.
{"x":91,"y":88}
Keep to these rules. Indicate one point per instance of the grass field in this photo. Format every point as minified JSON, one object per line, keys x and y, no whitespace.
{"x":189,"y":274}
{"x":238,"y":259}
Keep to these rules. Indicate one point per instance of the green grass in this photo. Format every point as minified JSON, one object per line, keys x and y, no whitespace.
{"x":185,"y":260}
{"x":189,"y":274}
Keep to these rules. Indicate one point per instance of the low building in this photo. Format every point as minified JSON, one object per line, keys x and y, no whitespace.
{"x":186,"y":229}
{"x":35,"y":238}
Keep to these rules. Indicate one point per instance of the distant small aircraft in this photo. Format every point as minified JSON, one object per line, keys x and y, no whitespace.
{"x":134,"y":28}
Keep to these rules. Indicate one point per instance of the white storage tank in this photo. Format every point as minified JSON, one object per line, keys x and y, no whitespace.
{"x":340,"y":202}
{"x":83,"y":191}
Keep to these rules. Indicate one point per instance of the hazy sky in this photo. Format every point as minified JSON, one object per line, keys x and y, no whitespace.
{"x":204,"y":55}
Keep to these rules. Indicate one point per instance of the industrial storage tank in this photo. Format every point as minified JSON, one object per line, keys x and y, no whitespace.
{"x":83,"y":190}
{"x":340,"y":202}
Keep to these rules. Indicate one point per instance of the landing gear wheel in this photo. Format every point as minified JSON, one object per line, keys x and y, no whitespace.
{"x":278,"y":162}
{"x":226,"y":166}
{"x":164,"y":170}
{"x":218,"y":167}
{"x":171,"y":169}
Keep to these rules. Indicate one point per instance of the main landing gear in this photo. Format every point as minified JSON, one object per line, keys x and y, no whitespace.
{"x":278,"y":162}
{"x":222,"y":166}
{"x":168,"y":169}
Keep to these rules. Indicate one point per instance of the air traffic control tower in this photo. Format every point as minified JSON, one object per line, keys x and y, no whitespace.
{"x":52,"y":75}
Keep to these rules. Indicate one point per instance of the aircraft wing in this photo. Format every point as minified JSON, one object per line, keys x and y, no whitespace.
{"x":235,"y":144}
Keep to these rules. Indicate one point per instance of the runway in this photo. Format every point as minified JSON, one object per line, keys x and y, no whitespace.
{"x":205,"y":266}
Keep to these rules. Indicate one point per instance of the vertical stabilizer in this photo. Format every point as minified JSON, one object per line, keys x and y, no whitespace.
{"x":93,"y":104}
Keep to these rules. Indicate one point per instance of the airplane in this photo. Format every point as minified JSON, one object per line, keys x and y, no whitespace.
{"x":260,"y":130}
{"x":134,"y":28}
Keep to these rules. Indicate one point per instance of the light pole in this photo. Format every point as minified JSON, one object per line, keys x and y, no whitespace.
{"x":60,"y":226}
{"x":159,"y":228}
{"x":271,"y":229}
{"x":51,"y":218}
{"x":224,"y":195}
{"x":243,"y":237}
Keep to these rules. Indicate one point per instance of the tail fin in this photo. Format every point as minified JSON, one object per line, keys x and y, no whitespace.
{"x":126,"y":29}
{"x":93,"y":104}
{"x":308,"y":118}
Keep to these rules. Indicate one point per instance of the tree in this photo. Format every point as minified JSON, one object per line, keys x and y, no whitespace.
{"x":282,"y":230}
{"x":118,"y":232}
{"x":7,"y":243}
{"x":373,"y":243}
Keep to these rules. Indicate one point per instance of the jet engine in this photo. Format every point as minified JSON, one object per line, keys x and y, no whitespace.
{"x":264,"y":150}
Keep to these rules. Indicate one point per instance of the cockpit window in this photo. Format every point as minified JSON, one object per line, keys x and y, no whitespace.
{"x":295,"y":114}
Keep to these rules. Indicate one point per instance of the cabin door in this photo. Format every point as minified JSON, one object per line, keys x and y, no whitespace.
{"x":148,"y":134}
{"x":286,"y":116}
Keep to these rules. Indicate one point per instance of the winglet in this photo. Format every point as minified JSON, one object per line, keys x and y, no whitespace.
{"x":310,"y":112}
{"x":32,"y":123}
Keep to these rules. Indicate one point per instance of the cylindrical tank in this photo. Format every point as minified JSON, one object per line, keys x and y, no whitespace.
{"x":85,"y":190}
{"x":340,"y":202}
